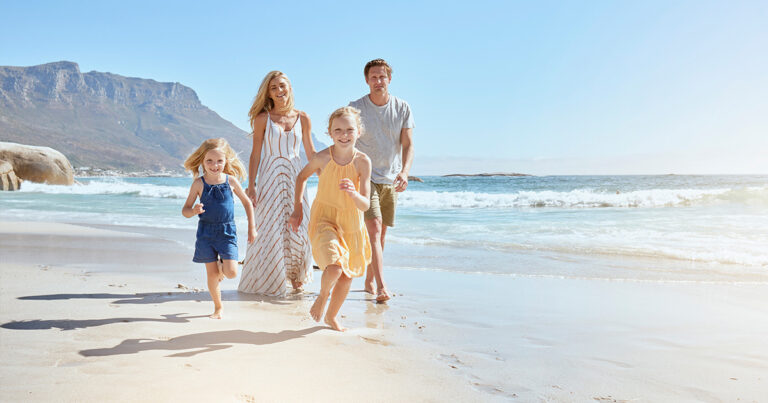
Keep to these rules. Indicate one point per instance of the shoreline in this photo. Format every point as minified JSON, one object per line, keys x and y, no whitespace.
{"x":444,"y":336}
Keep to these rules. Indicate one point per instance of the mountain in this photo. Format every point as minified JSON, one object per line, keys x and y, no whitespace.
{"x":108,"y":121}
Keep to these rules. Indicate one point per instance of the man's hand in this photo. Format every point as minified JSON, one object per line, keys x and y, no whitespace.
{"x":401,"y":182}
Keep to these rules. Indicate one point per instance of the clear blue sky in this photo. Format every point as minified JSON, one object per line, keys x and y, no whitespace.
{"x":571,"y":87}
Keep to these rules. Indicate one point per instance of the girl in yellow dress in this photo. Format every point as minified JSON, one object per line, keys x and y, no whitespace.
{"x":337,"y":232}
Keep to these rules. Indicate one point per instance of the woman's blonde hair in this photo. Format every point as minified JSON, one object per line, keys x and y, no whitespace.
{"x":262,"y":102}
{"x":346,"y":110}
{"x":233,"y":167}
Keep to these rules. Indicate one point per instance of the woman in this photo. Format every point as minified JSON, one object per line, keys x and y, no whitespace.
{"x":278,"y":132}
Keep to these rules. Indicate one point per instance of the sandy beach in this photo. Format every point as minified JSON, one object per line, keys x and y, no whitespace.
{"x":93,"y":313}
{"x":78,"y":330}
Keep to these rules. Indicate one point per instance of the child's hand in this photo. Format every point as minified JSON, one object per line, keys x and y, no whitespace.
{"x":295,"y":220}
{"x":198,"y":209}
{"x":346,"y":185}
{"x":251,"y":234}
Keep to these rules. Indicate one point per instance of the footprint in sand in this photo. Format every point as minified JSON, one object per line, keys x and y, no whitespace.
{"x":616,"y":363}
{"x":374,"y":341}
{"x":191,"y":367}
{"x":493,"y":390}
{"x":609,"y":398}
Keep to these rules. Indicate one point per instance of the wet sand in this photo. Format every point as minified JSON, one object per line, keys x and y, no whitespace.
{"x":95,"y":314}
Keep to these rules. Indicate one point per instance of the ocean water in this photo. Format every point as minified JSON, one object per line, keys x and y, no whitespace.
{"x":617,"y":228}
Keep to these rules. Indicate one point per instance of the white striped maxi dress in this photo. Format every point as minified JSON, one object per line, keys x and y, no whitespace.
{"x":278,"y":253}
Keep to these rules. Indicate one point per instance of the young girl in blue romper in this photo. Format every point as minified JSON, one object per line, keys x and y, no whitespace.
{"x":216,"y":244}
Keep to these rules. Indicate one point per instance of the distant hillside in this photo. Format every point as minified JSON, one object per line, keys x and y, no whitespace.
{"x":106,"y":120}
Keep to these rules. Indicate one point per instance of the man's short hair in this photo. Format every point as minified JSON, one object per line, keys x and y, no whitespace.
{"x":377,"y":62}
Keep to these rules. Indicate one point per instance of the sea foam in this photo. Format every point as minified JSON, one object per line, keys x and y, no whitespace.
{"x":110,"y":186}
{"x":580,"y":198}
{"x":426,"y":199}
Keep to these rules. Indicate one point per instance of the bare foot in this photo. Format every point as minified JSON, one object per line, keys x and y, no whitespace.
{"x":297,"y":285}
{"x":370,"y":287}
{"x":318,"y":308}
{"x":383,"y":295}
{"x":216,"y":314}
{"x":334,"y":324}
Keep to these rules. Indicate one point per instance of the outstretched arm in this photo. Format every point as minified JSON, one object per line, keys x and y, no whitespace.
{"x":238,"y":190}
{"x":406,"y":141}
{"x":260,"y":125}
{"x":188,"y":210}
{"x":315,"y":164}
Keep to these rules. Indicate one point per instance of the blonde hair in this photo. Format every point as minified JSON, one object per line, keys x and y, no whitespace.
{"x":346,"y":110}
{"x":377,"y":62}
{"x":262,"y":102}
{"x":233,"y":167}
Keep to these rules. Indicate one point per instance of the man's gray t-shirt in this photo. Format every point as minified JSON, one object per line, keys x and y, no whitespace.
{"x":381,"y":135}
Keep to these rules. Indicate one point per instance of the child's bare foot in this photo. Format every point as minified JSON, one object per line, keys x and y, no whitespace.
{"x":334,"y":324}
{"x":216,"y":314}
{"x":297,"y":285}
{"x":383,"y":295}
{"x":318,"y":307}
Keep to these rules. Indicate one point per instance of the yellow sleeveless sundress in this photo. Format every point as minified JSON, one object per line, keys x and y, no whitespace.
{"x":336,"y":227}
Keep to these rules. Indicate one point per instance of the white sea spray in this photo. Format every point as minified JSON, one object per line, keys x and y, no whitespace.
{"x":696,"y":228}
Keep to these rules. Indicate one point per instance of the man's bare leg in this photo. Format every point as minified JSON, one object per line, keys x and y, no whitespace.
{"x":374,"y":227}
{"x":376,"y":232}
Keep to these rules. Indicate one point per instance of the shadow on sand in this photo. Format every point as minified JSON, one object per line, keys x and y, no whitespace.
{"x":71,"y":324}
{"x":161,"y":297}
{"x":199,"y":343}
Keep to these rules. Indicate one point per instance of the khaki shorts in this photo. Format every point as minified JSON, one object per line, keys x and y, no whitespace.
{"x":383,"y":203}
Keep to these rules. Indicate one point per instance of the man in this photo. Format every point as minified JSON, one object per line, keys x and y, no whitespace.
{"x":388,"y":140}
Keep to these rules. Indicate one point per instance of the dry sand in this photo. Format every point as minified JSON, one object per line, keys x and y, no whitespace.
{"x":71,"y":333}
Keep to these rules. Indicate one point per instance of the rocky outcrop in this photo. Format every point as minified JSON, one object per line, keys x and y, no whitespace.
{"x":108,"y":121}
{"x":8,"y":178}
{"x":37,"y":164}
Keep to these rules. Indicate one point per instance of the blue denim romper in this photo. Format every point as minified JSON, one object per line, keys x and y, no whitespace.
{"x":216,"y":232}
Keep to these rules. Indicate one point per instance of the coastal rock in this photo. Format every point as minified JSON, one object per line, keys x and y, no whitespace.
{"x":108,"y":121}
{"x":37,"y":164}
{"x":8,"y":178}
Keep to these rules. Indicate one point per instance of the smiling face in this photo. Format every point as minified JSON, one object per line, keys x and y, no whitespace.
{"x":214,"y":162}
{"x":344,"y":131}
{"x":378,"y":80}
{"x":279,"y":90}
